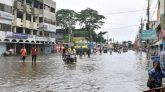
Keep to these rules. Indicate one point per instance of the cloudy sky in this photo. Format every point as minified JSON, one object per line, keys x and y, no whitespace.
{"x":122,"y":16}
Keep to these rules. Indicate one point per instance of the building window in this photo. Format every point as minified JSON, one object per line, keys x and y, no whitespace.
{"x":5,"y":27}
{"x":35,"y":32}
{"x":5,"y":8}
{"x":8,"y":9}
{"x":40,"y":33}
{"x":41,"y":19}
{"x":1,"y":7}
{"x":52,"y":10}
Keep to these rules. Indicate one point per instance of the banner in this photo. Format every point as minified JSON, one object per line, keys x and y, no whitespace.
{"x":5,"y":15}
{"x":16,"y":35}
{"x":148,"y":34}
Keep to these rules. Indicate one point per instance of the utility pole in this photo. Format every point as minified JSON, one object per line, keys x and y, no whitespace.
{"x":148,"y":10}
{"x":148,"y":27}
{"x":148,"y":15}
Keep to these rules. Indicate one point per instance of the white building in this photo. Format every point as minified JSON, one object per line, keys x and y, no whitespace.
{"x":5,"y":22}
{"x":33,"y":22}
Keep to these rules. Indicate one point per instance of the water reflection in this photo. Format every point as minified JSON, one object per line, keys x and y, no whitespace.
{"x":70,"y":66}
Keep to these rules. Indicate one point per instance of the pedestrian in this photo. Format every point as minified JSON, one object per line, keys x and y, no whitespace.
{"x":63,"y":52}
{"x":100,"y":51}
{"x":34,"y":52}
{"x":110,"y":51}
{"x":60,"y":49}
{"x":89,"y":52}
{"x":23,"y":53}
{"x":155,"y":74}
{"x":80,"y":52}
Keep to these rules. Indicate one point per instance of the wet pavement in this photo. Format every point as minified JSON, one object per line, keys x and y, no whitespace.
{"x":126,"y":72}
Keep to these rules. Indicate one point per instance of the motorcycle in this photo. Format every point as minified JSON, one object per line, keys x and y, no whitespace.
{"x":70,"y":58}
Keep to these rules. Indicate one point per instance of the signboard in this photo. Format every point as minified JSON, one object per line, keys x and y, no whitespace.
{"x":5,"y":15}
{"x":155,"y":58}
{"x":90,"y":45}
{"x":148,"y":34}
{"x":16,"y":35}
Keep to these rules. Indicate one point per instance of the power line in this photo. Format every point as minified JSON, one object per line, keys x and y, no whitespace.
{"x":128,"y":11}
{"x":124,"y":27}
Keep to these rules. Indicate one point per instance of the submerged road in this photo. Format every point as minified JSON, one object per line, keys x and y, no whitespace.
{"x":126,"y":72}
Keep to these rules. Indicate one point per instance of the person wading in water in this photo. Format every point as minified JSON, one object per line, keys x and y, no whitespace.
{"x":23,"y":53}
{"x":34,"y":52}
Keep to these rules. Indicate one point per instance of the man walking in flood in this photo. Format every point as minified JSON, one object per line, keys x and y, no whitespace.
{"x":23,"y":53}
{"x":34,"y":52}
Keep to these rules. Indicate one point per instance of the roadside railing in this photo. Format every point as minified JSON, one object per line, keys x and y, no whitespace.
{"x":160,"y":89}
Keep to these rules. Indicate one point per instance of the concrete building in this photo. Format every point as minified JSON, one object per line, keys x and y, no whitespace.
{"x":5,"y":22}
{"x":33,"y":23}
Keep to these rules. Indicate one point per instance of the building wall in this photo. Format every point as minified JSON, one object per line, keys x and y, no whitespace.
{"x":162,"y":6}
{"x":2,"y":48}
{"x":50,"y":3}
{"x":27,"y":26}
{"x":7,"y":2}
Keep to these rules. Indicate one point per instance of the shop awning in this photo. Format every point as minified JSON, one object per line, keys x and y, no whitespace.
{"x":158,"y":42}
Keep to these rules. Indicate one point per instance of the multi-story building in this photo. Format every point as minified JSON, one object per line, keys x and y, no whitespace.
{"x":5,"y":22}
{"x":33,"y":24}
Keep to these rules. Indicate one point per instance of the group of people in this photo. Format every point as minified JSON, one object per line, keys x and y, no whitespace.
{"x":79,"y":51}
{"x":34,"y":52}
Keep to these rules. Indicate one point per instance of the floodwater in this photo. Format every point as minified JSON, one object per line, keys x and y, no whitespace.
{"x":126,"y":72}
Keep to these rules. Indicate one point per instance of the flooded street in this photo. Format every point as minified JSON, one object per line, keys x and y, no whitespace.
{"x":126,"y":72}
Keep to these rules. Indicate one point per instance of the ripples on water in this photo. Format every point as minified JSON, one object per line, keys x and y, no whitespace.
{"x":101,"y":73}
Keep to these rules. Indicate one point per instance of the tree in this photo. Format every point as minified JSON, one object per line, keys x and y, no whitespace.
{"x":100,"y":36}
{"x":66,"y":19}
{"x":90,"y":20}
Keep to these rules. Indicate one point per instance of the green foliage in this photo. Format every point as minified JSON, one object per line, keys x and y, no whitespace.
{"x":66,"y":18}
{"x":90,"y":19}
{"x":80,"y":33}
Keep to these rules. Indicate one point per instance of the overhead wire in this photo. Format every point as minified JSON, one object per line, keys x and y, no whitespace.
{"x":123,"y":27}
{"x":128,"y":11}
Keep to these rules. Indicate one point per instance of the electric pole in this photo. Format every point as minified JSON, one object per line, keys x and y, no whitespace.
{"x":148,"y":15}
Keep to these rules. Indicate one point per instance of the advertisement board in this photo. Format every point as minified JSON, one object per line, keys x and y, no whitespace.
{"x":16,"y":35}
{"x":5,"y":15}
{"x":148,"y":34}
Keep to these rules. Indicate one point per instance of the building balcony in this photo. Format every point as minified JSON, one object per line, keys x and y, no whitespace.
{"x":18,"y":22}
{"x":26,"y":24}
{"x":34,"y":25}
{"x":35,"y":11}
{"x":49,"y":15}
{"x":18,"y":5}
{"x":27,"y":9}
{"x":52,"y":39}
{"x":47,"y":27}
